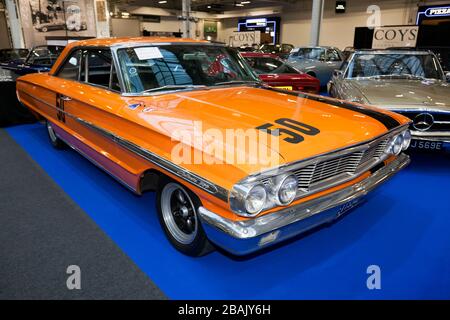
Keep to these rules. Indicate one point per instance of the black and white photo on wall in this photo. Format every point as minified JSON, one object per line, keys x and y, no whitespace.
{"x":56,"y":15}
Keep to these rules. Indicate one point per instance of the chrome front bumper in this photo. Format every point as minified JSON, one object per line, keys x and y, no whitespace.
{"x":244,"y":237}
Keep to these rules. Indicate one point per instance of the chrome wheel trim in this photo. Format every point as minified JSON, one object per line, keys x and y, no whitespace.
{"x":172,"y":216}
{"x":51,"y":132}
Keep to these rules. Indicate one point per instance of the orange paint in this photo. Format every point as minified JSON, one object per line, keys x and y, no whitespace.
{"x":151,"y":124}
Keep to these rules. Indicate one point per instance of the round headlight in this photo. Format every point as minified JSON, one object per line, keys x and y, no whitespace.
{"x":397,"y":145}
{"x":255,"y":199}
{"x":287,"y":191}
{"x":406,"y":139}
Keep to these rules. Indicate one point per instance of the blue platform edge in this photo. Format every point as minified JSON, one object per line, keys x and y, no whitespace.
{"x":404,"y":229}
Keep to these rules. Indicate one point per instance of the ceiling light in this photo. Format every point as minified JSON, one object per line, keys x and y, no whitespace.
{"x":239,"y":5}
{"x":209,"y":7}
{"x":162,"y":2}
{"x":245,"y":2}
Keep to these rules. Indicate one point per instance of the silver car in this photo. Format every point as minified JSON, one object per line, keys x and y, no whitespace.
{"x":319,"y":62}
{"x":408,"y":82}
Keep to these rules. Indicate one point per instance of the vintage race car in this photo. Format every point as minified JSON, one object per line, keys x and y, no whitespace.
{"x":234,"y":162}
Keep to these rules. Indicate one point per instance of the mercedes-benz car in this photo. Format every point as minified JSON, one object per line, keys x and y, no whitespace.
{"x":319,"y":62}
{"x":234,"y":162}
{"x":411,"y":83}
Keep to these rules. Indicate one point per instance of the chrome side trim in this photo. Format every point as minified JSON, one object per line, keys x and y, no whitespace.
{"x":178,"y":171}
{"x":266,"y":223}
{"x":98,"y":165}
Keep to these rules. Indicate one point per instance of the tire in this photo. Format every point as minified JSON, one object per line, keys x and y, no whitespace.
{"x":54,"y":140}
{"x":177,"y":212}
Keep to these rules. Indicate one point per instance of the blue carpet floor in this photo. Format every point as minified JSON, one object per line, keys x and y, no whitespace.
{"x":404,"y":229}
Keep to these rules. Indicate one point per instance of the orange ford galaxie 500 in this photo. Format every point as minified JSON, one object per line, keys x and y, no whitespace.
{"x":154,"y":113}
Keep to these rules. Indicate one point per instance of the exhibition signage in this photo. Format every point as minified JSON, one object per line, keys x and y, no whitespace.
{"x":395,"y":36}
{"x":432,"y":13}
{"x":245,"y":38}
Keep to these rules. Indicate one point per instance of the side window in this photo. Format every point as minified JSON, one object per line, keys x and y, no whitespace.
{"x":70,"y":69}
{"x":99,"y":67}
{"x":114,"y":85}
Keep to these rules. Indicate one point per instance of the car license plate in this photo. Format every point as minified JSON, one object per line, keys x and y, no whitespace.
{"x":285,"y":88}
{"x":349,"y":206}
{"x":426,"y":145}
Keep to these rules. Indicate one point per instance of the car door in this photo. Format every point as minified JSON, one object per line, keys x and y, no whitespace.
{"x":87,"y":94}
{"x":90,"y":103}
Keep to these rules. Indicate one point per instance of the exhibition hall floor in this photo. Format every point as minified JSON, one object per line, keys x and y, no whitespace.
{"x":403,"y":229}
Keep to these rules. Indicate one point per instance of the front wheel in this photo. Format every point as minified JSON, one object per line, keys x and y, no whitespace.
{"x":177,"y":211}
{"x":54,"y":140}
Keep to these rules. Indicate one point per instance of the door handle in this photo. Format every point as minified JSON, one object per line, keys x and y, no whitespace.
{"x":65,"y":98}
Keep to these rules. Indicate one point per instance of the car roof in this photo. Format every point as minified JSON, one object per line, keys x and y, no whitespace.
{"x":392,"y":51}
{"x":318,"y":47}
{"x":112,"y":42}
{"x":258,"y":55}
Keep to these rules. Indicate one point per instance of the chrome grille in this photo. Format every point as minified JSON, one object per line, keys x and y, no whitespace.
{"x":338,"y":169}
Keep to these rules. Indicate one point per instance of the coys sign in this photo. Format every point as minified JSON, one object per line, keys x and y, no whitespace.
{"x":245,"y":38}
{"x":399,"y":36}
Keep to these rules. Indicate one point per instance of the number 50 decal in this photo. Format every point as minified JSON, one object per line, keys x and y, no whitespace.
{"x":294,"y":129}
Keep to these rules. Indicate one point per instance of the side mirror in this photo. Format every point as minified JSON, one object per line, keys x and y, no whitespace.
{"x":447,"y":76}
{"x":338,"y":73}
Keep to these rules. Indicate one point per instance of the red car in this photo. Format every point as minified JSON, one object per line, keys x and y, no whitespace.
{"x":276,"y":73}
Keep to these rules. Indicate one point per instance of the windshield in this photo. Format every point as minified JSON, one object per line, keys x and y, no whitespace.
{"x":155,"y":68}
{"x":310,"y":53}
{"x":44,"y":56}
{"x":270,"y":48}
{"x":394,"y":66}
{"x":267,"y":65}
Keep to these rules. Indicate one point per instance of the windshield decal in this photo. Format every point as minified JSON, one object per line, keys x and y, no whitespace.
{"x":147,"y":53}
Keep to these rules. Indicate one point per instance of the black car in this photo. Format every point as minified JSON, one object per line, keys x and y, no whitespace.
{"x":40,"y":59}
{"x":7,"y":55}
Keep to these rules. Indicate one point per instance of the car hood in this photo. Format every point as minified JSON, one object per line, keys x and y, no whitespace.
{"x":303,"y":62}
{"x":294,"y":77}
{"x":218,"y":112}
{"x":404,"y":94}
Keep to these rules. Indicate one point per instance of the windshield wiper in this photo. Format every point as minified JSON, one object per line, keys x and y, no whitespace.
{"x":173,"y":87}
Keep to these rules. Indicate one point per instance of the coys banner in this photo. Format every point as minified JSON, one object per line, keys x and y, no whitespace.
{"x":395,"y":36}
{"x":245,"y":38}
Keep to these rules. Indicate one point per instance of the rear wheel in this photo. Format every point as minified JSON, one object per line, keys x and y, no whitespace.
{"x":177,"y":211}
{"x":54,"y":140}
